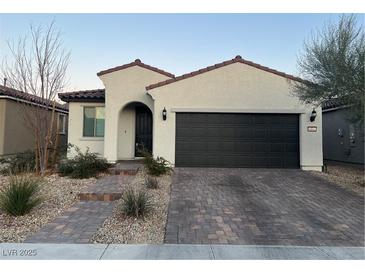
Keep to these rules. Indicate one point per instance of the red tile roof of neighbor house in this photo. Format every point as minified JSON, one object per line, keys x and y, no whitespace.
{"x":237,"y":59}
{"x":30,"y":98}
{"x":92,"y":95}
{"x":335,"y":103}
{"x":139,"y":63}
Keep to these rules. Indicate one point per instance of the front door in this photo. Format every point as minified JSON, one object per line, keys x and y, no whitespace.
{"x":143,"y":130}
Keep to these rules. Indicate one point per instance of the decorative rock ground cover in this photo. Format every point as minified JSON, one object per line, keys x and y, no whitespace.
{"x":121,"y":229}
{"x":60,"y":193}
{"x":82,"y":220}
{"x":348,"y":176}
{"x":82,"y":211}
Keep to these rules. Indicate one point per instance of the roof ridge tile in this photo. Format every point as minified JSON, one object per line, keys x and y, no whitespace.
{"x":237,"y":59}
{"x":139,"y":63}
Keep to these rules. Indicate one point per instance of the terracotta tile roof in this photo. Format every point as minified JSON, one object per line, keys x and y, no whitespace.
{"x":17,"y":94}
{"x":334,"y":103}
{"x":237,"y":59}
{"x":94,"y":95}
{"x":139,"y":63}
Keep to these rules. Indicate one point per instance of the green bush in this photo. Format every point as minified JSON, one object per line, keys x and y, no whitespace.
{"x":83,"y":165}
{"x":21,"y":195}
{"x":151,"y":182}
{"x":136,"y":203}
{"x":19,"y":163}
{"x":156,"y":167}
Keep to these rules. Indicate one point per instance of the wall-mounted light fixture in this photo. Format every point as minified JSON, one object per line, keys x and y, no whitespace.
{"x":313,"y":115}
{"x":164,"y":114}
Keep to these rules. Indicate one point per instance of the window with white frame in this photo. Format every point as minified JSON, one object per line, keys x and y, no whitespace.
{"x":94,"y":121}
{"x":62,"y":123}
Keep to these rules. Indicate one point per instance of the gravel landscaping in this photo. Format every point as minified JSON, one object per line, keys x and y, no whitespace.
{"x":59,"y":194}
{"x":345,"y":175}
{"x":150,"y":230}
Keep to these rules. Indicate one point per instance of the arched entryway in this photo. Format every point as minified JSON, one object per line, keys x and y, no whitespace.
{"x":143,"y":138}
{"x":134,"y":130}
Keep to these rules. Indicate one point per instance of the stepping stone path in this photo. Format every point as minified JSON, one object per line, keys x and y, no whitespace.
{"x":80,"y":222}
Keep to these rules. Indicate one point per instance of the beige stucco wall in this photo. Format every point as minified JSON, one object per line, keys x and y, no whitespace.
{"x":123,"y":87}
{"x":2,"y":125}
{"x":75,"y":130}
{"x":15,"y":135}
{"x":18,"y":136}
{"x":233,"y":88}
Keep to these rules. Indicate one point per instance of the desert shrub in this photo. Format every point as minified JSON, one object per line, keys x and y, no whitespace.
{"x":83,"y":165}
{"x":151,"y":182}
{"x":19,"y":163}
{"x":66,"y":167}
{"x":156,"y":167}
{"x":21,"y":195}
{"x":136,"y":203}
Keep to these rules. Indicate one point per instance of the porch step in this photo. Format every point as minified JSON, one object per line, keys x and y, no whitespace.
{"x":109,"y":197}
{"x":126,"y":167}
{"x":115,"y":171}
{"x":109,"y":188}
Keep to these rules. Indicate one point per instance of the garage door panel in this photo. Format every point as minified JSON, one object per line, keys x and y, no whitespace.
{"x":260,"y":133}
{"x":237,"y":140}
{"x":291,"y":148}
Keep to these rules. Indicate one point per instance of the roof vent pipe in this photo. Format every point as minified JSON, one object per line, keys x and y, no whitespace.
{"x":5,"y":79}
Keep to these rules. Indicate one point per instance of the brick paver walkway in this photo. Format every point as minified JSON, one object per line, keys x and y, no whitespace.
{"x":76,"y":225}
{"x":261,"y":207}
{"x":80,"y":222}
{"x":107,"y":188}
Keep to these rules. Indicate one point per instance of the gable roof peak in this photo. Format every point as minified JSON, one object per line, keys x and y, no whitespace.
{"x":237,"y":59}
{"x":136,"y":62}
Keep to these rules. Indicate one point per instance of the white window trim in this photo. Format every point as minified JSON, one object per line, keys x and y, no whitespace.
{"x":63,"y":132}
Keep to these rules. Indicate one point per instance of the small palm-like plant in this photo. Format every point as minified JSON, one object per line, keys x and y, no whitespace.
{"x":21,"y":195}
{"x":136,"y":203}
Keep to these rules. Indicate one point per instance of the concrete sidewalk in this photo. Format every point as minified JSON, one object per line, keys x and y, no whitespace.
{"x":19,"y":251}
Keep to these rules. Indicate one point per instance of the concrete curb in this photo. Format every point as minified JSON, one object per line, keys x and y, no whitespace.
{"x":20,"y":251}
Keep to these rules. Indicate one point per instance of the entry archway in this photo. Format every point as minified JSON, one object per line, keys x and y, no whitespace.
{"x":134,"y":130}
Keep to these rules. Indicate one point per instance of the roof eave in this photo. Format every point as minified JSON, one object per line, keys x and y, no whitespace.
{"x":80,"y":100}
{"x":138,"y":63}
{"x":237,"y":59}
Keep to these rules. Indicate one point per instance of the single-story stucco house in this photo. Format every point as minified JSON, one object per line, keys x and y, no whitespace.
{"x":15,"y":135}
{"x":342,"y":140}
{"x":232,"y":114}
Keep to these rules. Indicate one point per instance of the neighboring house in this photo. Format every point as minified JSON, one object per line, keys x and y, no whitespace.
{"x":15,"y":135}
{"x":342,"y":140}
{"x":232,"y":114}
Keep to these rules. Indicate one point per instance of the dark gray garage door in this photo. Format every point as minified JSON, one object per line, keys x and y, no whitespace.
{"x":237,"y":140}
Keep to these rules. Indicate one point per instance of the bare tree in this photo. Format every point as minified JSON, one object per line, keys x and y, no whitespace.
{"x":37,"y":66}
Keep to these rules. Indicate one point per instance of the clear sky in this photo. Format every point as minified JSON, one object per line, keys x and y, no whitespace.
{"x":177,"y":43}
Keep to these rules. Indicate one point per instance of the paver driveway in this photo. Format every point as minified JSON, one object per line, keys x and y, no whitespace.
{"x":262,"y":206}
